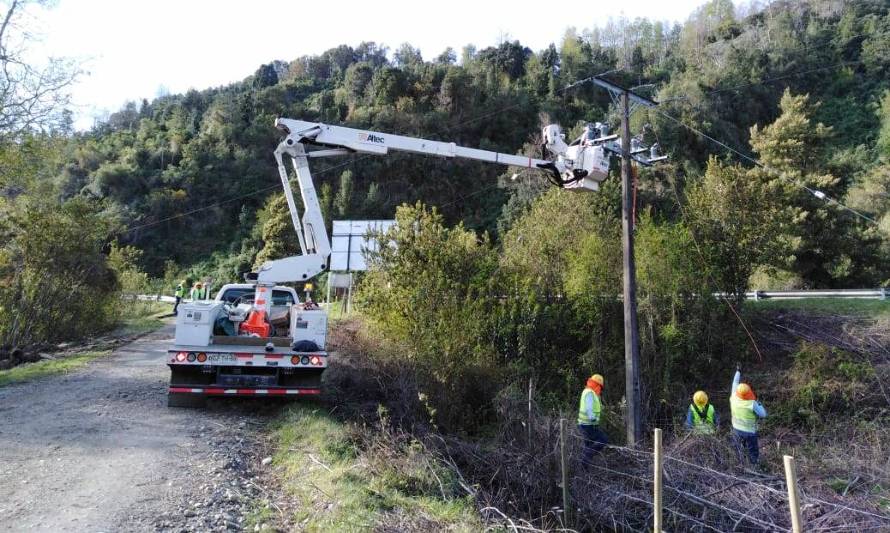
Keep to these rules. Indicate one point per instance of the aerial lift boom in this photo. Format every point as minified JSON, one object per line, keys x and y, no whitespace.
{"x":581,"y":165}
{"x":259,"y":357}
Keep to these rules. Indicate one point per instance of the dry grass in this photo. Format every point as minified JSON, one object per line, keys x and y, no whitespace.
{"x":514,"y":473}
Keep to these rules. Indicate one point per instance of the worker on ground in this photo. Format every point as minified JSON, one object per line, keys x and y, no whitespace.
{"x":701,"y":417}
{"x":589,"y":409}
{"x":745,"y":410}
{"x":178,"y":294}
{"x":205,"y":290}
{"x":196,"y":292}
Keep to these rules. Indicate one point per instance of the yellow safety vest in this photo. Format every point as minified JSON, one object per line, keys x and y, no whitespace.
{"x":702,"y":425}
{"x":743,"y":417}
{"x":180,"y":291}
{"x":582,"y":408}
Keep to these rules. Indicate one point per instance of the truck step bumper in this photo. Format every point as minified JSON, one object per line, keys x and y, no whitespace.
{"x":219,"y":391}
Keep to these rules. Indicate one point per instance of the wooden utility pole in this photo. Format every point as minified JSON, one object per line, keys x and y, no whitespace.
{"x":631,"y":329}
{"x":634,"y":422}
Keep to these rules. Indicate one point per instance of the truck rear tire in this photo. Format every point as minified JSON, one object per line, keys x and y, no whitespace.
{"x":181,"y":399}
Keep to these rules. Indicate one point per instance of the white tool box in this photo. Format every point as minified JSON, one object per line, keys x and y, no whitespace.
{"x":194,"y":323}
{"x":309,"y":326}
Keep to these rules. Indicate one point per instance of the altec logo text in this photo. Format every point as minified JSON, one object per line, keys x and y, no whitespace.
{"x":370,"y":138}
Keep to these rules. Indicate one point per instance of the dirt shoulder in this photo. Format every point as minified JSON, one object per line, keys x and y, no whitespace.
{"x":98,"y":450}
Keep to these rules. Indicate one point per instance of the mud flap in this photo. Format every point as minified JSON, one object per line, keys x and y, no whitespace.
{"x":185,"y":399}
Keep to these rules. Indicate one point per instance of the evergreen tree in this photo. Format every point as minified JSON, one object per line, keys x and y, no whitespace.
{"x":343,"y":200}
{"x":279,"y":238}
{"x":792,"y":149}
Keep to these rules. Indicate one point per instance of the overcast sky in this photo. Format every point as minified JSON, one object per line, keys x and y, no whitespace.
{"x":134,"y":49}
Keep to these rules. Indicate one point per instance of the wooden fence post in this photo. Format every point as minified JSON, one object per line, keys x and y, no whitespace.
{"x":657,"y":475}
{"x":566,"y":509}
{"x":529,"y":420}
{"x":793,"y":499}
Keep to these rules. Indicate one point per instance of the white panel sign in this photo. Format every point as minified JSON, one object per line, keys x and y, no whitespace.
{"x":340,"y":281}
{"x":349,"y":243}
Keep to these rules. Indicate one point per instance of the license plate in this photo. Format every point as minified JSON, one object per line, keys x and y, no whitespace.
{"x":221,"y":357}
{"x":230,"y":380}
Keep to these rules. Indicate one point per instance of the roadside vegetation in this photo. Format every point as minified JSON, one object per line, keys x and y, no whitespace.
{"x":829,"y":306}
{"x":48,"y":367}
{"x":490,"y":287}
{"x":382,"y":431}
{"x":135,"y":319}
{"x":341,"y":476}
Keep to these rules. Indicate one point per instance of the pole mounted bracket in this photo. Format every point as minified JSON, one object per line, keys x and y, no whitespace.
{"x":645,"y":156}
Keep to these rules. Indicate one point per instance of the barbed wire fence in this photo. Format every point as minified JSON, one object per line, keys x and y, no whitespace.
{"x":704,"y":485}
{"x":616,"y":488}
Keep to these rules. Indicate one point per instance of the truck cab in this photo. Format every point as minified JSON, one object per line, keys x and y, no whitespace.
{"x":214,"y":355}
{"x":234,"y":293}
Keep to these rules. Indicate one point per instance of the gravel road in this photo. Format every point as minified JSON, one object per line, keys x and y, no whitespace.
{"x":99,"y":450}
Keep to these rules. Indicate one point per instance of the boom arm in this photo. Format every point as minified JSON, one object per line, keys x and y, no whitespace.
{"x":315,"y":247}
{"x":582,"y":166}
{"x":354,"y":140}
{"x":579,"y":166}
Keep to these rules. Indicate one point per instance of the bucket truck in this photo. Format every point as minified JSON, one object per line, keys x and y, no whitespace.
{"x":273,"y":344}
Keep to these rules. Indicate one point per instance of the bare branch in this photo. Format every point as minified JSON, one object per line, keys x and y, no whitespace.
{"x":31,"y":96}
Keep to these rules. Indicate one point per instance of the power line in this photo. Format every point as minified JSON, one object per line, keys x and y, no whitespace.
{"x":234,"y":199}
{"x":777,"y":78}
{"x":764,"y":81}
{"x":815,"y":192}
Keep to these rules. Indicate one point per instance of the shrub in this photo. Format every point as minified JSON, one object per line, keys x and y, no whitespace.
{"x":825,"y":381}
{"x":429,"y":287}
{"x":55,"y":281}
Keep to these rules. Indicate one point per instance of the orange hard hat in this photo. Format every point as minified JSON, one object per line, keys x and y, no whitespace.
{"x":595,"y":379}
{"x":744,"y":391}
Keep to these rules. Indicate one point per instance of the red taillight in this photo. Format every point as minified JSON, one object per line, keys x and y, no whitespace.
{"x":295,"y":360}
{"x":202,"y":357}
{"x":181,"y":356}
{"x":315,"y":360}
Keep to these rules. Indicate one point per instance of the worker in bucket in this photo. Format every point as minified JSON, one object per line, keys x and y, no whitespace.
{"x":590,"y":408}
{"x":745,"y":410}
{"x":196,"y":292}
{"x":178,"y":294}
{"x":701,"y":417}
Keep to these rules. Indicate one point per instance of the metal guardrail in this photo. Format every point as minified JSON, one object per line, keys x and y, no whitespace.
{"x":873,"y":294}
{"x":154,"y":298}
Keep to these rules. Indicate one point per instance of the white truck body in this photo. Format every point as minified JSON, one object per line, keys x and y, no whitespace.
{"x":203,"y":364}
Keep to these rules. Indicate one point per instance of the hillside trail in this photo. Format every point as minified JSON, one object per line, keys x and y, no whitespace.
{"x":99,"y":450}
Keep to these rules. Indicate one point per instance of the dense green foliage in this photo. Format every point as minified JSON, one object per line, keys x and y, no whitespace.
{"x":433,"y":289}
{"x":57,"y":281}
{"x":499,"y":274}
{"x":54,"y":273}
{"x":544,"y":307}
{"x":159,"y":161}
